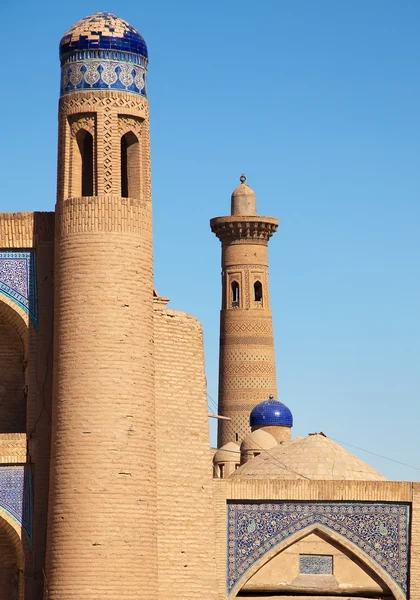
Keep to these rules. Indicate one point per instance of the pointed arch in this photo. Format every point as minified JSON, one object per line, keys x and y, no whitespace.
{"x":333,"y":536}
{"x":130,"y":166}
{"x":84,"y":162}
{"x":12,"y":536}
{"x":17,"y":318}
{"x":235,"y":294}
{"x":258,"y":291}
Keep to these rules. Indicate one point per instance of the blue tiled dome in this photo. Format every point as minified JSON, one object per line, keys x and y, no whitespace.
{"x":103,"y":31}
{"x":271,"y":412}
{"x":101,"y":53}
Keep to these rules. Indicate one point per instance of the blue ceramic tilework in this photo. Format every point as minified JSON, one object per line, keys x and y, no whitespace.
{"x":103,"y":30}
{"x":380,"y":530}
{"x":271,"y":412}
{"x":315,"y":564}
{"x":16,"y":495}
{"x":18,"y":280}
{"x":103,"y":75}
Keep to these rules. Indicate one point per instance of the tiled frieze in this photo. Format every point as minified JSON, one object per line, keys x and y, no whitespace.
{"x":16,"y":495}
{"x":379,"y":530}
{"x":103,"y":74}
{"x":18,"y":280}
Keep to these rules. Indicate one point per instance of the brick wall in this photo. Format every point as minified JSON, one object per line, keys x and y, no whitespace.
{"x":185,"y":515}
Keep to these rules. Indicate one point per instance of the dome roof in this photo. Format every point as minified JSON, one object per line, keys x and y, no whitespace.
{"x":271,"y":412}
{"x":230,"y":452}
{"x":258,"y":440}
{"x":314,"y":457}
{"x":243,"y":200}
{"x":105,"y":31}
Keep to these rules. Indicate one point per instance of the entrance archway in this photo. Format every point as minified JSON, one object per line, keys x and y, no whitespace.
{"x":12,"y":561}
{"x":257,"y":577}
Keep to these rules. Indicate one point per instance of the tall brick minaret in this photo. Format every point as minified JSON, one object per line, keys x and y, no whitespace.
{"x":247,"y":372}
{"x":102,"y":510}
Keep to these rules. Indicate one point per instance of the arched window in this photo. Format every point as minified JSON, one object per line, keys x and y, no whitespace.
{"x":130,"y":166}
{"x":235,"y":294}
{"x":85,"y":144}
{"x":258,"y":291}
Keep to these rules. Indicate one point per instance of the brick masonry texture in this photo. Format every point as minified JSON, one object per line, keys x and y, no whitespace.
{"x":127,"y":507}
{"x":102,"y":513}
{"x":186,"y":563}
{"x":247,"y":370}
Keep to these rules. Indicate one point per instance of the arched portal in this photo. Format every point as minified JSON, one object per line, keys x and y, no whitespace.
{"x":12,"y":561}
{"x":13,"y":359}
{"x":332,"y":565}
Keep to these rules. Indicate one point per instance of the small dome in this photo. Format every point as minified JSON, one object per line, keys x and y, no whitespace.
{"x":314,"y":457}
{"x":258,"y":440}
{"x":230,"y":452}
{"x":271,"y":412}
{"x":103,"y":31}
{"x":243,"y":200}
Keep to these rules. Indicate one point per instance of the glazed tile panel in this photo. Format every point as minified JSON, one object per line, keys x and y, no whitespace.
{"x":379,"y":530}
{"x":16,"y":495}
{"x":18,"y":280}
{"x":103,"y":52}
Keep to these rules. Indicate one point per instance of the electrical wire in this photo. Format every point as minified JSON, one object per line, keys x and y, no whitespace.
{"x":398,"y":462}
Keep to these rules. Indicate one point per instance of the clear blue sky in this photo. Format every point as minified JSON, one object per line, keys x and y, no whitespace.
{"x":318,"y":103}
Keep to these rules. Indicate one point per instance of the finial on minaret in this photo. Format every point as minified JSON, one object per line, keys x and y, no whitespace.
{"x":242,"y":178}
{"x":270,"y":397}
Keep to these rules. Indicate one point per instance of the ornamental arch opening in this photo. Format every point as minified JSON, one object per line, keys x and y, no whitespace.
{"x":13,"y":359}
{"x":130,"y":166}
{"x":298,"y":566}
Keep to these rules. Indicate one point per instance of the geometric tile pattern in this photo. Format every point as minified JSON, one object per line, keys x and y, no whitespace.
{"x":103,"y":75}
{"x":16,"y":495}
{"x":380,"y":530}
{"x":103,"y":30}
{"x":315,"y":564}
{"x":18,"y":281}
{"x":103,"y":52}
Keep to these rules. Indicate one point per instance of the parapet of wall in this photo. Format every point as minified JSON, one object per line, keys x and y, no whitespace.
{"x":185,"y":494}
{"x":25,"y":229}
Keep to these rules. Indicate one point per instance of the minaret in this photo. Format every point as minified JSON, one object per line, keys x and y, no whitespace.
{"x":247,"y":372}
{"x":102,"y":509}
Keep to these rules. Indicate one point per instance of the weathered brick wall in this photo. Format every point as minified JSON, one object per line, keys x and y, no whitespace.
{"x":185,"y":510}
{"x":102,"y":513}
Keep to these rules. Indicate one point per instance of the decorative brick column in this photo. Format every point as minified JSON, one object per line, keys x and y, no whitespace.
{"x":102,"y":512}
{"x":247,"y":373}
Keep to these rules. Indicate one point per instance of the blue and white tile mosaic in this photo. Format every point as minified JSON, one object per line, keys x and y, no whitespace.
{"x":18,"y":280}
{"x":315,"y":564}
{"x":379,"y":530}
{"x":103,"y":75}
{"x":103,"y":52}
{"x":16,"y":495}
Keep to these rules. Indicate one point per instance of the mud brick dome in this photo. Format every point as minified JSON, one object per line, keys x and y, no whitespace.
{"x":109,"y":488}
